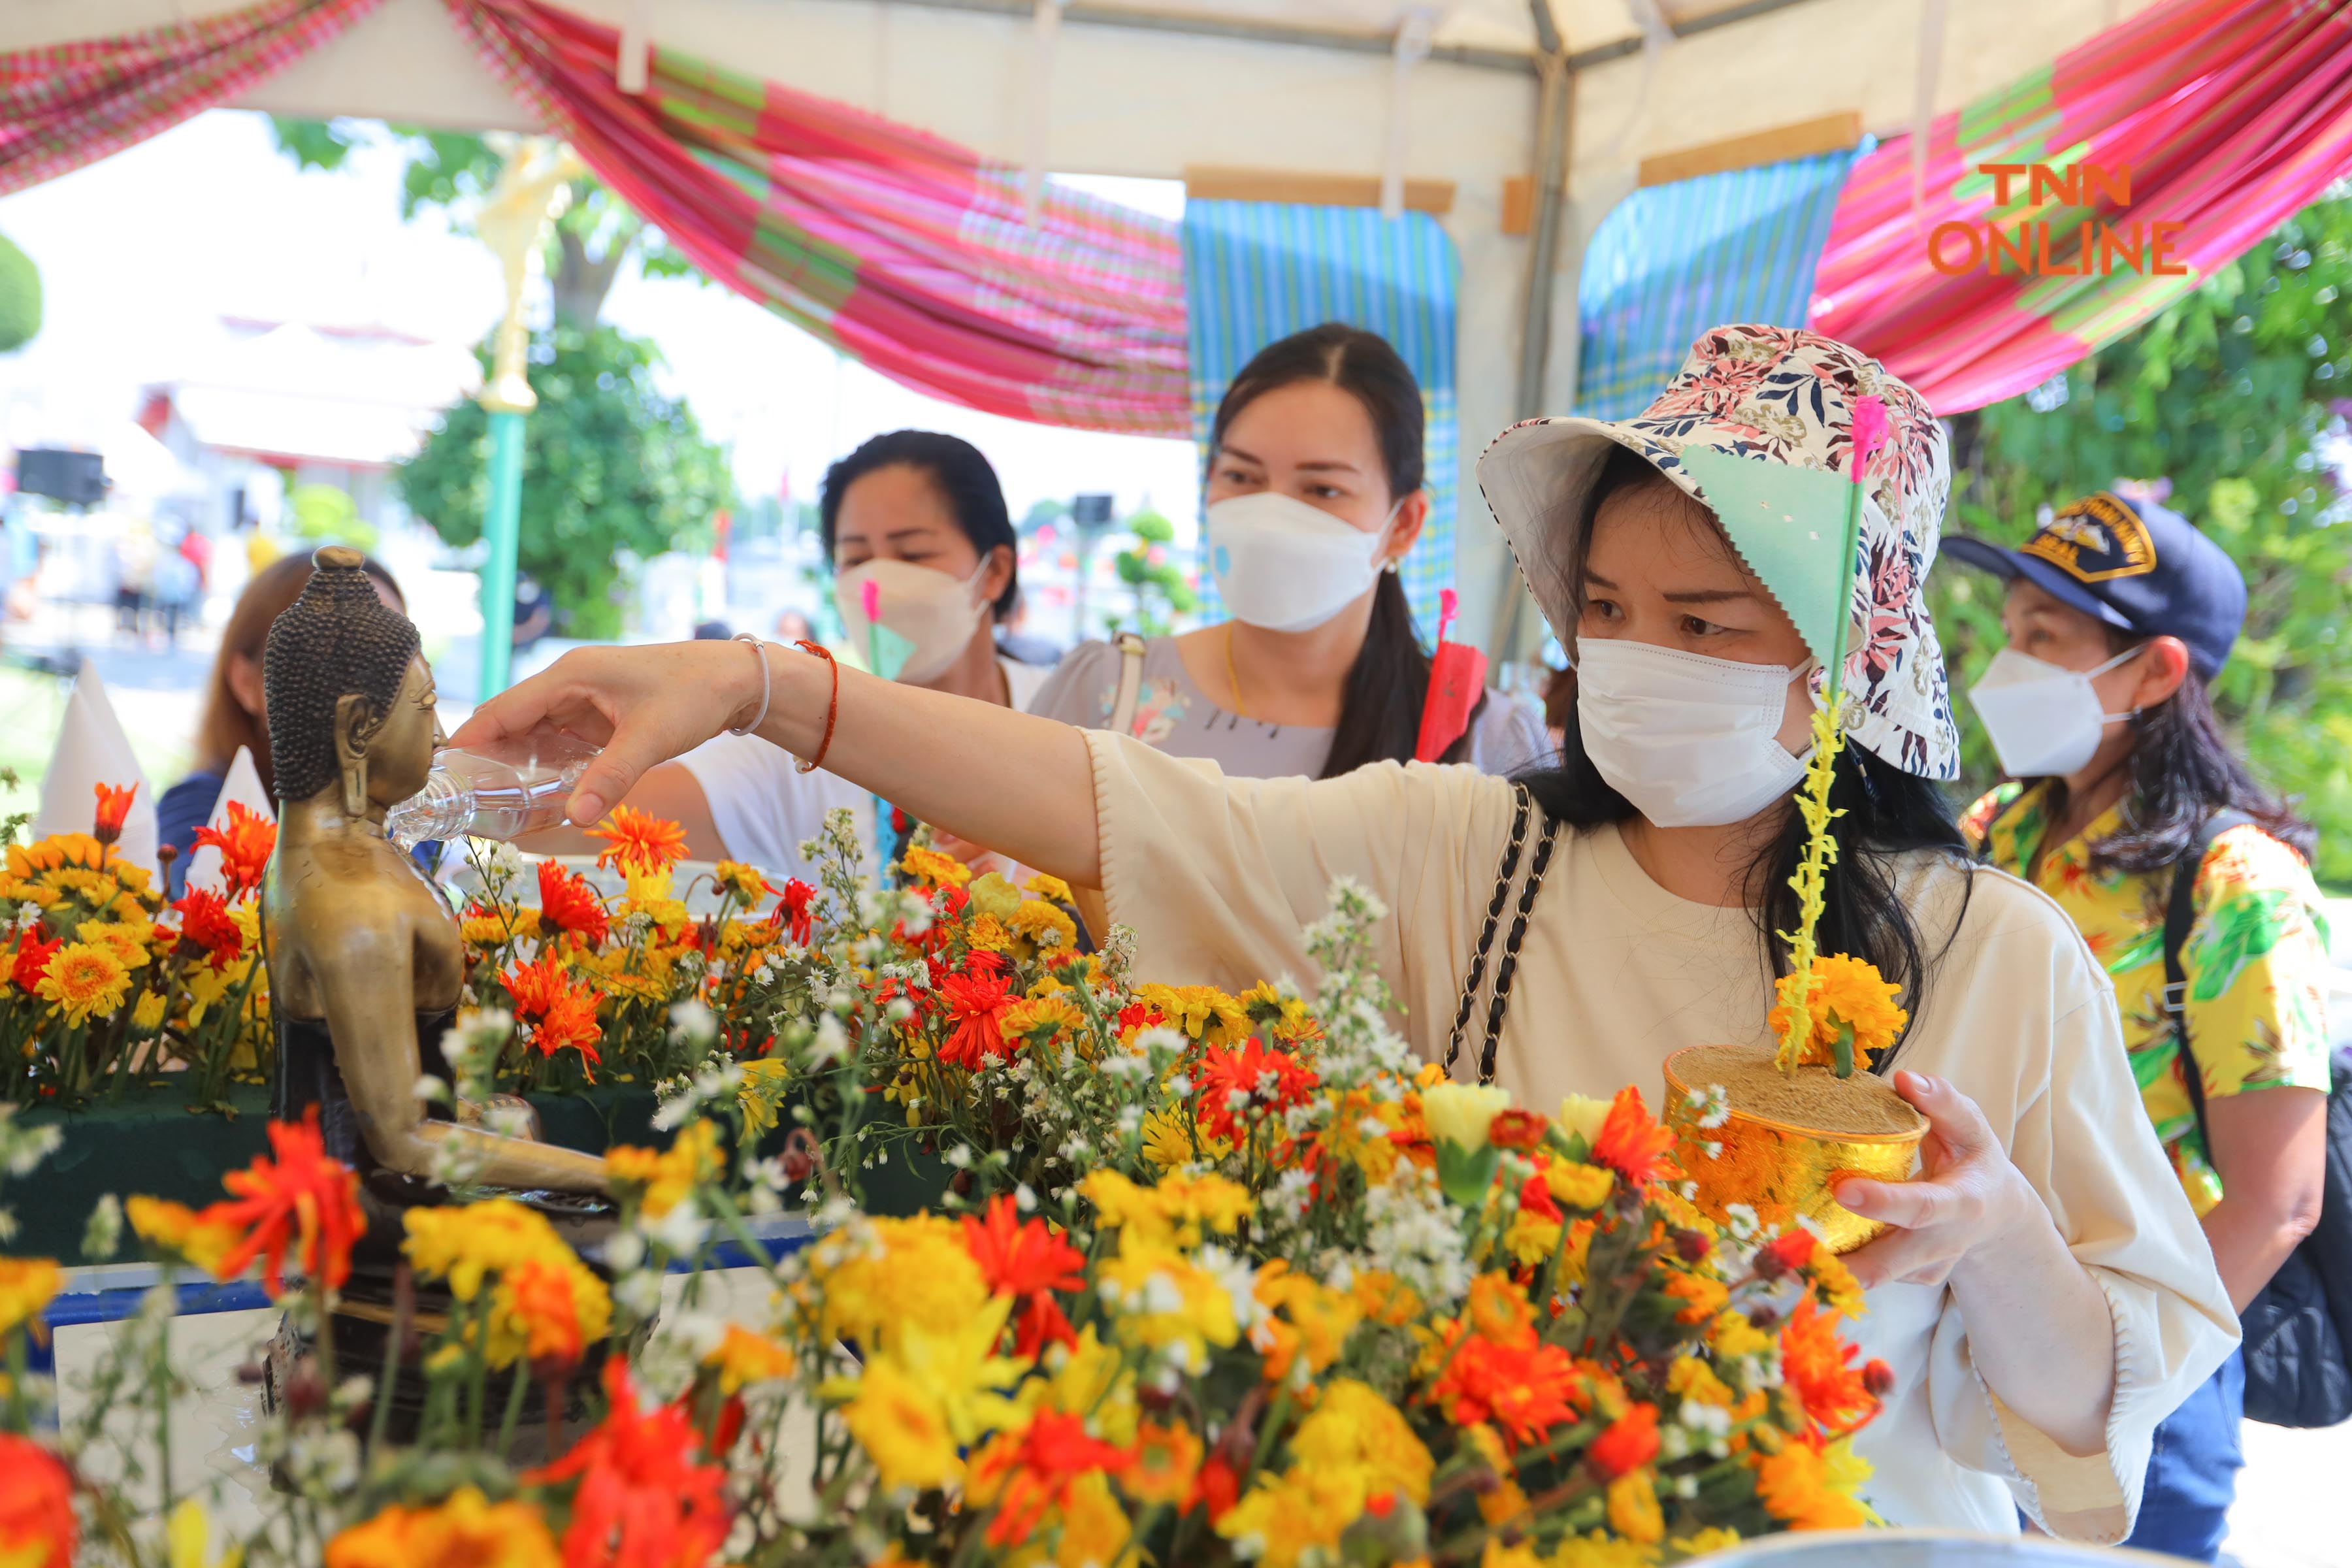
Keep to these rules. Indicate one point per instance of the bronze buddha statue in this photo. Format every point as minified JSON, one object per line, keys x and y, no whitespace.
{"x":365,"y":956}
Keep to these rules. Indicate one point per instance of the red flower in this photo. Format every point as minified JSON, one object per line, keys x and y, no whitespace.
{"x":1027,"y":1261}
{"x":1535,"y":1199}
{"x":1140,"y":1015}
{"x":642,"y":1501}
{"x":33,"y":957}
{"x":1525,"y":1389}
{"x":1252,"y":1079}
{"x":1820,"y":1366}
{"x":977,"y":999}
{"x":301,"y":1197}
{"x":113,"y":809}
{"x":638,"y":840}
{"x":1216,"y":1488}
{"x":1630,"y":1442}
{"x":37,"y":1528}
{"x":1517,"y":1129}
{"x":244,"y":846}
{"x":205,"y":925}
{"x":567,"y":904}
{"x":559,"y":1015}
{"x":1038,"y":1468}
{"x":1784,"y":1254}
{"x":797,"y":906}
{"x":1631,"y":1144}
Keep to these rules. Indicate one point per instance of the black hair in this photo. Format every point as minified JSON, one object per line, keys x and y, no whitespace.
{"x":1379,"y":708}
{"x":965,"y":481}
{"x":1879,"y":812}
{"x":336,"y":639}
{"x":2182,"y":771}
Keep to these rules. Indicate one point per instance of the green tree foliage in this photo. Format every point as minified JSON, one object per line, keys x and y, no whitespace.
{"x":327,"y":515}
{"x":455,"y":169}
{"x":20,"y":297}
{"x":2234,"y":397}
{"x":1162,"y":592}
{"x":614,"y":472}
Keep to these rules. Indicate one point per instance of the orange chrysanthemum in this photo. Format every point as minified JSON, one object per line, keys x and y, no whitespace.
{"x":245,"y":847}
{"x":1848,"y":993}
{"x":1525,"y":1390}
{"x":1818,"y":1366}
{"x":557,"y":1012}
{"x":303,"y":1198}
{"x":1025,"y":1474}
{"x":1629,"y":1442}
{"x":37,"y":1529}
{"x":639,"y":841}
{"x":113,"y":810}
{"x":1796,"y":1486}
{"x":567,"y":903}
{"x":642,"y":1501}
{"x":1632,"y":1142}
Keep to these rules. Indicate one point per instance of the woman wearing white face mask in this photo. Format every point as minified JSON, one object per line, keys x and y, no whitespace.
{"x":2043,"y":1297}
{"x":1315,"y":495}
{"x":915,"y":522}
{"x":2132,"y":812}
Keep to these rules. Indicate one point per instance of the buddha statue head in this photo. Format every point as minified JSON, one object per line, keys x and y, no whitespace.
{"x":350,"y":697}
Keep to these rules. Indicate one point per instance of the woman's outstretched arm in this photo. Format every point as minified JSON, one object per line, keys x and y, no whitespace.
{"x":1023,"y":786}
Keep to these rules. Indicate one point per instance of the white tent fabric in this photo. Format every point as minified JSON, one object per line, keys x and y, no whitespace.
{"x":1129,"y":96}
{"x":93,"y":749}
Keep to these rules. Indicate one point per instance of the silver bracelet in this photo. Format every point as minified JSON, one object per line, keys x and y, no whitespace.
{"x":766,"y":682}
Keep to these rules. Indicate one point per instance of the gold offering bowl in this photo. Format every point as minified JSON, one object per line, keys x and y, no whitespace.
{"x":1784,"y":1172}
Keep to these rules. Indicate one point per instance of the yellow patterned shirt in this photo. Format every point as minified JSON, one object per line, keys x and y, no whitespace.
{"x":2256,"y":961}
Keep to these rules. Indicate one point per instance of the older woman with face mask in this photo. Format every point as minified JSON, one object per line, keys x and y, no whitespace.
{"x":2043,"y":1297}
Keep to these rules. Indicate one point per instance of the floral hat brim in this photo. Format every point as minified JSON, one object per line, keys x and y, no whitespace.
{"x":1786,"y":395}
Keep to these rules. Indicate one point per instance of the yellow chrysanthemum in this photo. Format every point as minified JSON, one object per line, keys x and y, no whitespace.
{"x":1301,"y":1513}
{"x":1051,"y":889}
{"x":767,"y":1081}
{"x":1168,"y":1144}
{"x":1808,"y":1488}
{"x":131,"y":939}
{"x":1309,"y":1322}
{"x":901,"y":1426}
{"x":1601,"y":1551}
{"x":147,"y":1015}
{"x":496,"y":929}
{"x":1579,"y":1185}
{"x":668,"y":1177}
{"x":84,"y":980}
{"x":181,"y":1231}
{"x":744,"y":883}
{"x":1734,"y":1336}
{"x":1089,"y":1379}
{"x":1044,"y":924}
{"x":987,"y":934}
{"x":1694,"y":1380}
{"x":1634,"y":1511}
{"x":1203,"y":1012}
{"x":1354,"y":1428}
{"x":1840,"y":1291}
{"x":467,"y":1531}
{"x":959,"y":1364}
{"x":931,"y":868}
{"x":873,"y":1276}
{"x":26,"y":1286}
{"x":1175,"y":1213}
{"x":546,"y":1308}
{"x":742,"y":1357}
{"x":467,"y":1245}
{"x":1166,"y":1301}
{"x":1705,"y":1542}
{"x":1040,"y":1020}
{"x":1286,"y":1015}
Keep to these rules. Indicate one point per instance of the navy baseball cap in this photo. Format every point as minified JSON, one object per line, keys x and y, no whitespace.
{"x":2133,"y":564}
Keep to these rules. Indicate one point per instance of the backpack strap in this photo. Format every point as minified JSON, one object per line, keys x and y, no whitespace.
{"x":1131,"y":684}
{"x":2180,"y":915}
{"x":1506,"y":871}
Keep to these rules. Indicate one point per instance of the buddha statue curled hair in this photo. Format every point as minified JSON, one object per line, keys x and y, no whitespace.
{"x":338,"y":639}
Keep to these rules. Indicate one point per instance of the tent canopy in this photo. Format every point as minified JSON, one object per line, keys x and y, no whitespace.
{"x":1156,"y":87}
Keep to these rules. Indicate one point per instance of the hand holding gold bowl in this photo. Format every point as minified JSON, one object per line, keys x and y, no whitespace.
{"x":1778,"y":1132}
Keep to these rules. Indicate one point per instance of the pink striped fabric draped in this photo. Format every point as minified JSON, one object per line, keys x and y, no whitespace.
{"x":903,"y":250}
{"x":2230,"y":115}
{"x":75,"y":103}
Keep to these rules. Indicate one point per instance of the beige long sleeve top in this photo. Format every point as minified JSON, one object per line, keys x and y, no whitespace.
{"x":1217,"y":876}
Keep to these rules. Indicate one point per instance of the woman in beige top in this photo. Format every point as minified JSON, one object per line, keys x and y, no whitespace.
{"x":2045,"y":1298}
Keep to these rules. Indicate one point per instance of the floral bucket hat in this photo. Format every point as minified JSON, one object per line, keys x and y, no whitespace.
{"x":1786,"y":396}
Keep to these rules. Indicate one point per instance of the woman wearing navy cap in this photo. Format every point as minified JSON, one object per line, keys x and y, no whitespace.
{"x":2118,"y":614}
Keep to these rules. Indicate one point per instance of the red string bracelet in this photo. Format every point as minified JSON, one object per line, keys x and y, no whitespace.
{"x":832,"y":706}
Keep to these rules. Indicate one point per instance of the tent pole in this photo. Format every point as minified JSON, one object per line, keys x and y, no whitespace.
{"x":1555,"y":115}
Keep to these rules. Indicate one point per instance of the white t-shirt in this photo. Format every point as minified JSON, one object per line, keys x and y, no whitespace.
{"x":766,"y":808}
{"x":1217,"y":876}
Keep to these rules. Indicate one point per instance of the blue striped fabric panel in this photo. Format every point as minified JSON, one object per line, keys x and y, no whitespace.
{"x":1669,"y":261}
{"x":1257,"y":271}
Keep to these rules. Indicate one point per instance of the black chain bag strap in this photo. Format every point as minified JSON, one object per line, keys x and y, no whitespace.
{"x":1506,"y":872}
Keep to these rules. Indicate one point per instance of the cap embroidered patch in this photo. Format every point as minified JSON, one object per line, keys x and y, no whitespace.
{"x":2096,"y":539}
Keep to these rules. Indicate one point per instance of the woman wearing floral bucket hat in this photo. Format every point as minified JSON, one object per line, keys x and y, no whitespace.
{"x":2044,"y":1298}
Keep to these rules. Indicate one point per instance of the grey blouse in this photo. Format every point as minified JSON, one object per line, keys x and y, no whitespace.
{"x":1179,"y":719}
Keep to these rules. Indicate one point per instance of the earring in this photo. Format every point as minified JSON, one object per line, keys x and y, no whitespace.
{"x":1392,"y":566}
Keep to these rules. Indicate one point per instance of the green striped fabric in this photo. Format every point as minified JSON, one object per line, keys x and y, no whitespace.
{"x":1257,"y":271}
{"x":1671,"y":261}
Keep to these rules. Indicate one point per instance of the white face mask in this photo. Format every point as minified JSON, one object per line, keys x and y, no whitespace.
{"x":1287,"y":566}
{"x":931,"y":611}
{"x":1692,"y":742}
{"x":2045,"y":720}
